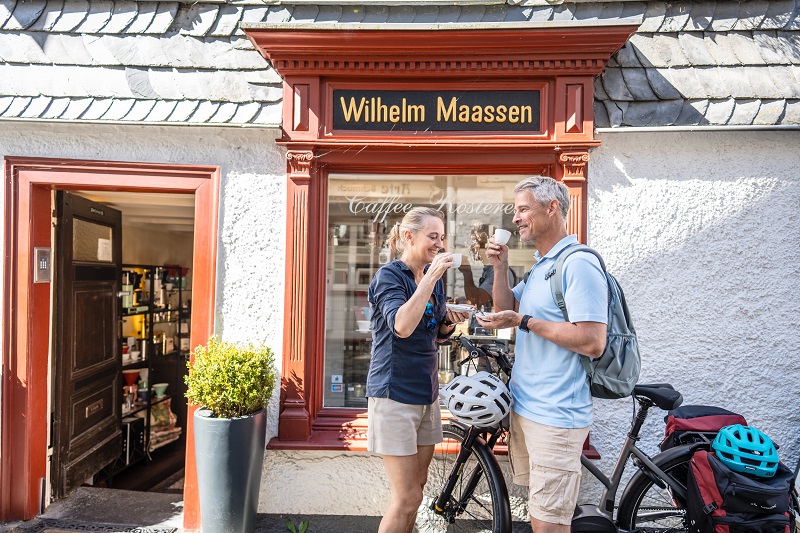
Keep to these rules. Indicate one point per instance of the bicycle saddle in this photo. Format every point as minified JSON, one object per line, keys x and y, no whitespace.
{"x":661,"y":394}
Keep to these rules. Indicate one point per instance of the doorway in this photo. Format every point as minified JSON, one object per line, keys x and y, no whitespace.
{"x":141,"y":336}
{"x":24,"y":483}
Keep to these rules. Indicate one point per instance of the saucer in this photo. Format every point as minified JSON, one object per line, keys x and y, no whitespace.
{"x":460,"y":308}
{"x":363,"y":330}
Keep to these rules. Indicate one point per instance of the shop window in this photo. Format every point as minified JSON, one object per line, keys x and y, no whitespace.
{"x":361,"y":211}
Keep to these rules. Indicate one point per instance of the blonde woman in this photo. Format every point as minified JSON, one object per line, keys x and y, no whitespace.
{"x":409,"y":315}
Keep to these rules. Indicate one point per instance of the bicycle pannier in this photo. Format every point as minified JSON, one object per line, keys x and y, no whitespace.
{"x":696,"y":423}
{"x":616,"y":371}
{"x":720,"y":500}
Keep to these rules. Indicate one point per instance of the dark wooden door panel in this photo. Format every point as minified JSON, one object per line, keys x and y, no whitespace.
{"x":87,"y":429}
{"x":93,"y":309}
{"x":92,"y":407}
{"x":78,"y":469}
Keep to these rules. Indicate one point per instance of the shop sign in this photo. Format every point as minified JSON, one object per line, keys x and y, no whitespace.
{"x":426,"y":111}
{"x":379,"y":208}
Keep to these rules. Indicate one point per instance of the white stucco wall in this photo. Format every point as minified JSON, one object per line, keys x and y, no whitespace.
{"x":703,"y":232}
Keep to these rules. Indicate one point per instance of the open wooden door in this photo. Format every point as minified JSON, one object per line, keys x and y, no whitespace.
{"x":87,"y":405}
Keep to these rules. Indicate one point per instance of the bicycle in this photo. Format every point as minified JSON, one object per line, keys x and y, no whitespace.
{"x":474,"y":495}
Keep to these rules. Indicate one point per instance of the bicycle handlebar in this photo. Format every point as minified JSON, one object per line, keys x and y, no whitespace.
{"x":475,"y":351}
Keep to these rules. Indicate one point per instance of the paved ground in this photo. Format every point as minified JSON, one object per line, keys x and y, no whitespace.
{"x":97,"y":509}
{"x":113,"y":510}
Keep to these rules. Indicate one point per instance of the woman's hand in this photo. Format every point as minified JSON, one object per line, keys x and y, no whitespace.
{"x":440,"y":264}
{"x":456,"y":317}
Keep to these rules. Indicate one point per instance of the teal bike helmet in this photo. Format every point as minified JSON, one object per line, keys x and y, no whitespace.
{"x":747,"y":450}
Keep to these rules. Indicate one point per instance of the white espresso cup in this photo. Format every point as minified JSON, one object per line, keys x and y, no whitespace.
{"x":501,"y":235}
{"x":457,"y":260}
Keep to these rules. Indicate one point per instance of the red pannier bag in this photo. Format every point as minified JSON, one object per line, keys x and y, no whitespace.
{"x":720,"y":500}
{"x":696,"y":423}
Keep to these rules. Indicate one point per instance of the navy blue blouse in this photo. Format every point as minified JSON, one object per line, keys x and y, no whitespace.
{"x":403,"y":369}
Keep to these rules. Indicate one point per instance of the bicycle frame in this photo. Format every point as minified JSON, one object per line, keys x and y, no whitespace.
{"x":595,"y":517}
{"x":646,"y":465}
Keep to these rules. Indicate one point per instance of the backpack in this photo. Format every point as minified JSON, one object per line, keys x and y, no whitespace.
{"x":720,"y":500}
{"x":696,"y":423}
{"x":615,"y":373}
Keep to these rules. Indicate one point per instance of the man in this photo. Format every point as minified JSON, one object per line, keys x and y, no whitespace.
{"x":552,"y":403}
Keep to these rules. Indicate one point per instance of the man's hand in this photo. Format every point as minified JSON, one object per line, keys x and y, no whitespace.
{"x":496,"y":254}
{"x":499,"y":320}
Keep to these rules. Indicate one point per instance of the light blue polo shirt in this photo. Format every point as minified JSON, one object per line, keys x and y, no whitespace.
{"x":548,"y":383}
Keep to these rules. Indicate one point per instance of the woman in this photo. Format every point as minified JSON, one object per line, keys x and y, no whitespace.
{"x":409,"y":315}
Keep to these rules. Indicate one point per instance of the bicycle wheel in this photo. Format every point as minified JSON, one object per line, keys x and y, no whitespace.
{"x":647,"y":506}
{"x":483,"y":510}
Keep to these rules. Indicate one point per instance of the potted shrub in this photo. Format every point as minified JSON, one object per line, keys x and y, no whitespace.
{"x":232,"y":385}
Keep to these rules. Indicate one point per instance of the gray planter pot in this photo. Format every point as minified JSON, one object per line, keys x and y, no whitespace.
{"x":229,"y":453}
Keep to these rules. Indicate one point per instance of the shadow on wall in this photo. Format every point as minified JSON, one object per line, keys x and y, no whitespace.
{"x":716,"y":312}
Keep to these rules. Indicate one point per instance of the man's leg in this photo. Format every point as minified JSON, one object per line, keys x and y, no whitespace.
{"x":403,"y":473}
{"x":555,"y":474}
{"x":546,"y":527}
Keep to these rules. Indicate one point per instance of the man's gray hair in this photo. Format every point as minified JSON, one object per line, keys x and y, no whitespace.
{"x":545,"y":190}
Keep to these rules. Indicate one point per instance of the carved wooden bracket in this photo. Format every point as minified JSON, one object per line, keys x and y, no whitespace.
{"x":574,"y":165}
{"x":299,"y":164}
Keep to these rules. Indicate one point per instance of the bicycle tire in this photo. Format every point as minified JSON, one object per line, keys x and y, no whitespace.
{"x":647,"y":506}
{"x":486,"y":510}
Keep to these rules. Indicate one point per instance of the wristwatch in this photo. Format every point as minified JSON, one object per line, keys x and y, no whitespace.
{"x":524,"y":324}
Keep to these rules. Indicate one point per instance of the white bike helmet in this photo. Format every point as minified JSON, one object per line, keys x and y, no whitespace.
{"x":480,"y":400}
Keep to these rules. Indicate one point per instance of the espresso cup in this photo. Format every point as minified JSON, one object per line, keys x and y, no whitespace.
{"x":501,"y":235}
{"x":457,"y":260}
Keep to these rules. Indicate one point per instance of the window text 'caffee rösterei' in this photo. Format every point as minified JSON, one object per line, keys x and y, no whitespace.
{"x":436,"y":110}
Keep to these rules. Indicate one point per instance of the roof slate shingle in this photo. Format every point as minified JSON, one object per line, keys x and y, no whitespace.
{"x":691,"y":63}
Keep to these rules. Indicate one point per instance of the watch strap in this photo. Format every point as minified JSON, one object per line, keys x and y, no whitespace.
{"x":524,"y":324}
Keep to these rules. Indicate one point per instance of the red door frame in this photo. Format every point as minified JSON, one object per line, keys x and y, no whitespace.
{"x":26,"y":306}
{"x":313,"y":60}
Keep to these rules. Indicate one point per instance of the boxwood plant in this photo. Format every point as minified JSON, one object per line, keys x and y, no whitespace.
{"x":231,"y":380}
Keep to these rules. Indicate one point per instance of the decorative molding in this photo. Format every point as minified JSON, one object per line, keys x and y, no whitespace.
{"x":475,"y":51}
{"x":574,"y":114}
{"x":299,"y":164}
{"x":574,"y":165}
{"x":294,"y":422}
{"x":431,"y":68}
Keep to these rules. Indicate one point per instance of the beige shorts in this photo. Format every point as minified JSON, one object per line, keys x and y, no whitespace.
{"x":547,"y":460}
{"x":396,"y":428}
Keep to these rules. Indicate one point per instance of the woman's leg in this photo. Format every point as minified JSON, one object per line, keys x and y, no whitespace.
{"x":424,"y":457}
{"x":404,"y":484}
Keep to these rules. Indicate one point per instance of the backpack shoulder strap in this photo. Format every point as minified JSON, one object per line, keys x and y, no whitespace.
{"x":526,"y":276}
{"x":556,"y":274}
